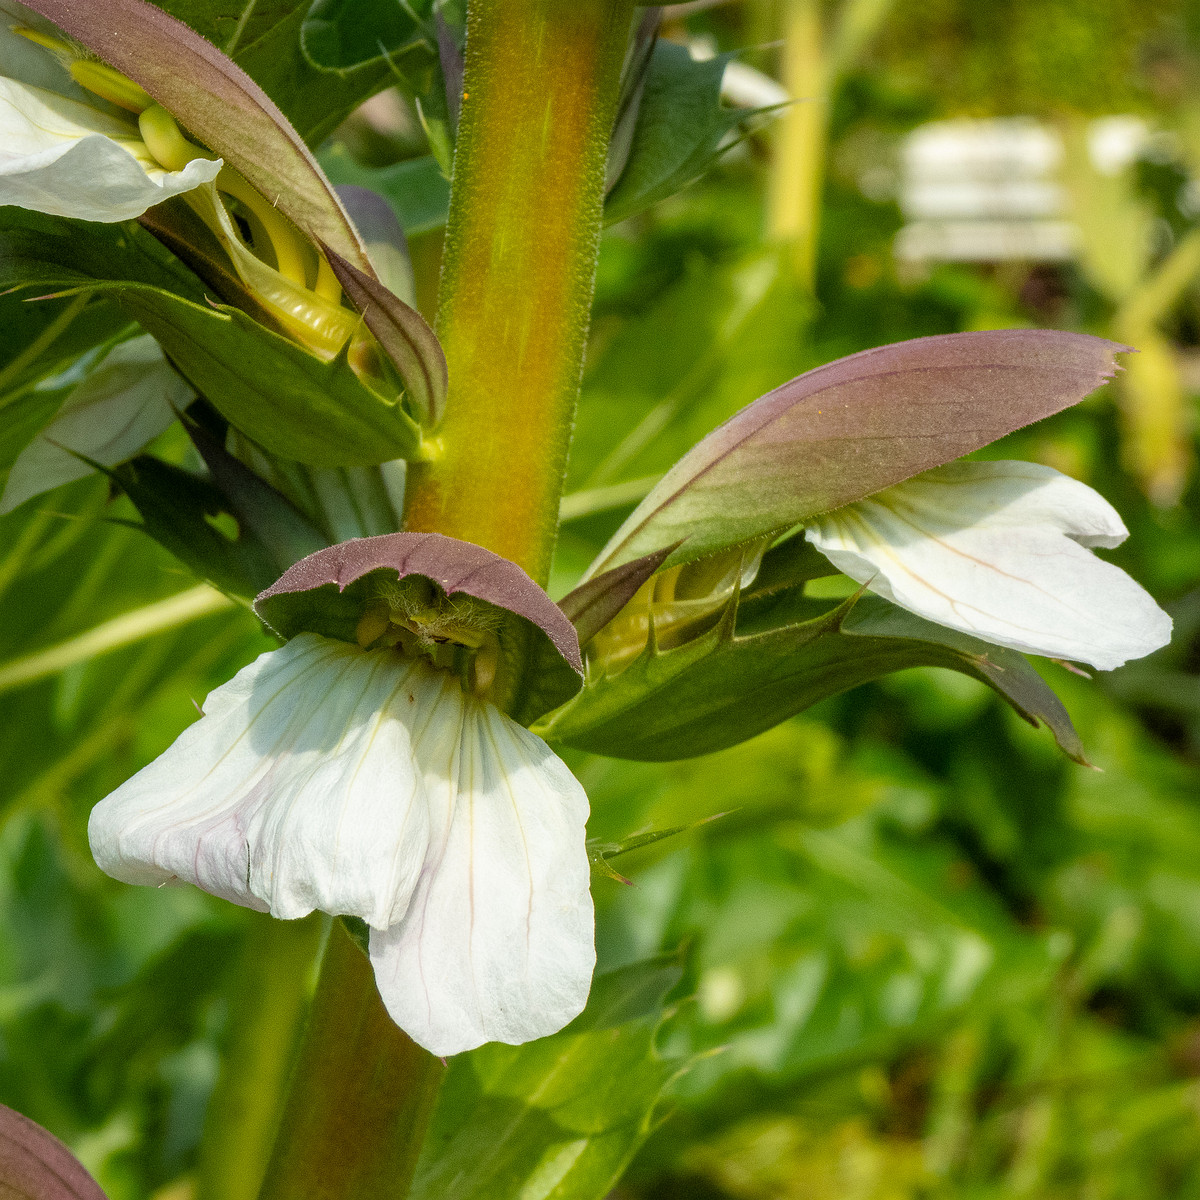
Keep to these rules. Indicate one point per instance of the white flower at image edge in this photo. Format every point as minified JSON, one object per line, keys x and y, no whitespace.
{"x":364,"y":783}
{"x":69,"y":159}
{"x":1000,"y":550}
{"x":131,"y":396}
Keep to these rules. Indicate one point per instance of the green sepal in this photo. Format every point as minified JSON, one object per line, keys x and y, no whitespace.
{"x":292,"y":403}
{"x":770,"y":655}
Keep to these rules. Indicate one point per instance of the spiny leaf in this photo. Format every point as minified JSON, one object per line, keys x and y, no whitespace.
{"x":404,"y":336}
{"x":769,"y":657}
{"x":680,"y":129}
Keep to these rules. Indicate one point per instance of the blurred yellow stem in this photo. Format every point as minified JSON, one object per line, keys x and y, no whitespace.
{"x":797,"y":169}
{"x":121,"y":631}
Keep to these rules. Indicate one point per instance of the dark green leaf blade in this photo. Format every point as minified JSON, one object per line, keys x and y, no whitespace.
{"x":342,"y":35}
{"x":680,"y":127}
{"x":191,"y":518}
{"x":287,"y":534}
{"x":853,"y":427}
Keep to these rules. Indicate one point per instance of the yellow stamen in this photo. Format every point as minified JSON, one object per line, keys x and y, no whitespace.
{"x":288,"y":252}
{"x":99,"y":78}
{"x":327,"y":286}
{"x":64,"y":51}
{"x":165,"y":141}
{"x":110,"y":84}
{"x":372,"y":625}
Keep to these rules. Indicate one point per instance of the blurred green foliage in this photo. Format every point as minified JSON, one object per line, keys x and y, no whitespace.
{"x":923,"y":954}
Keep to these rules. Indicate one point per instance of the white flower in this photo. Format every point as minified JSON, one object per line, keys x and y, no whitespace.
{"x":366,"y":783}
{"x":126,"y":401}
{"x":64,"y":151}
{"x":1000,"y":550}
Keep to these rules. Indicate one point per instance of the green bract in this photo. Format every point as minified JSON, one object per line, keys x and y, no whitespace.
{"x":757,"y":656}
{"x":461,"y":604}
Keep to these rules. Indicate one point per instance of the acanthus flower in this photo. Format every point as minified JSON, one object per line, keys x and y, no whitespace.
{"x":374,"y":783}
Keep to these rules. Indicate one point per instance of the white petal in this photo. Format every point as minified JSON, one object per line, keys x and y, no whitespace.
{"x":997,"y":550}
{"x":498,"y":943}
{"x":65,"y":158}
{"x":296,"y":790}
{"x":124,"y":404}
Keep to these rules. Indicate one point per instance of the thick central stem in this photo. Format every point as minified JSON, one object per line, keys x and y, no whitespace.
{"x":540,"y":92}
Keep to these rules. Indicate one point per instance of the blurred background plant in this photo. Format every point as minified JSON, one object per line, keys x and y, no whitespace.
{"x":923,"y":955}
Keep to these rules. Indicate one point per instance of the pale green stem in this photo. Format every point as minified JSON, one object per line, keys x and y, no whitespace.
{"x":798,"y":163}
{"x":811,"y":71}
{"x":601,"y":499}
{"x":1155,"y":296}
{"x":121,"y":631}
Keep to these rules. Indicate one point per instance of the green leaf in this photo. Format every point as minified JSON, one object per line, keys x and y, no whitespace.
{"x":39,"y":340}
{"x":264,"y":38}
{"x":771,"y":655}
{"x":342,"y":35}
{"x":292,"y":403}
{"x":557,"y":1118}
{"x":681,"y":124}
{"x":286,"y":533}
{"x":853,"y":427}
{"x":275,"y":392}
{"x":191,"y":518}
{"x":416,"y":189}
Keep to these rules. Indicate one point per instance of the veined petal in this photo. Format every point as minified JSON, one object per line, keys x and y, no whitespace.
{"x":296,"y":790}
{"x":498,"y":943}
{"x":124,"y":404}
{"x":998,"y":550}
{"x":65,"y":158}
